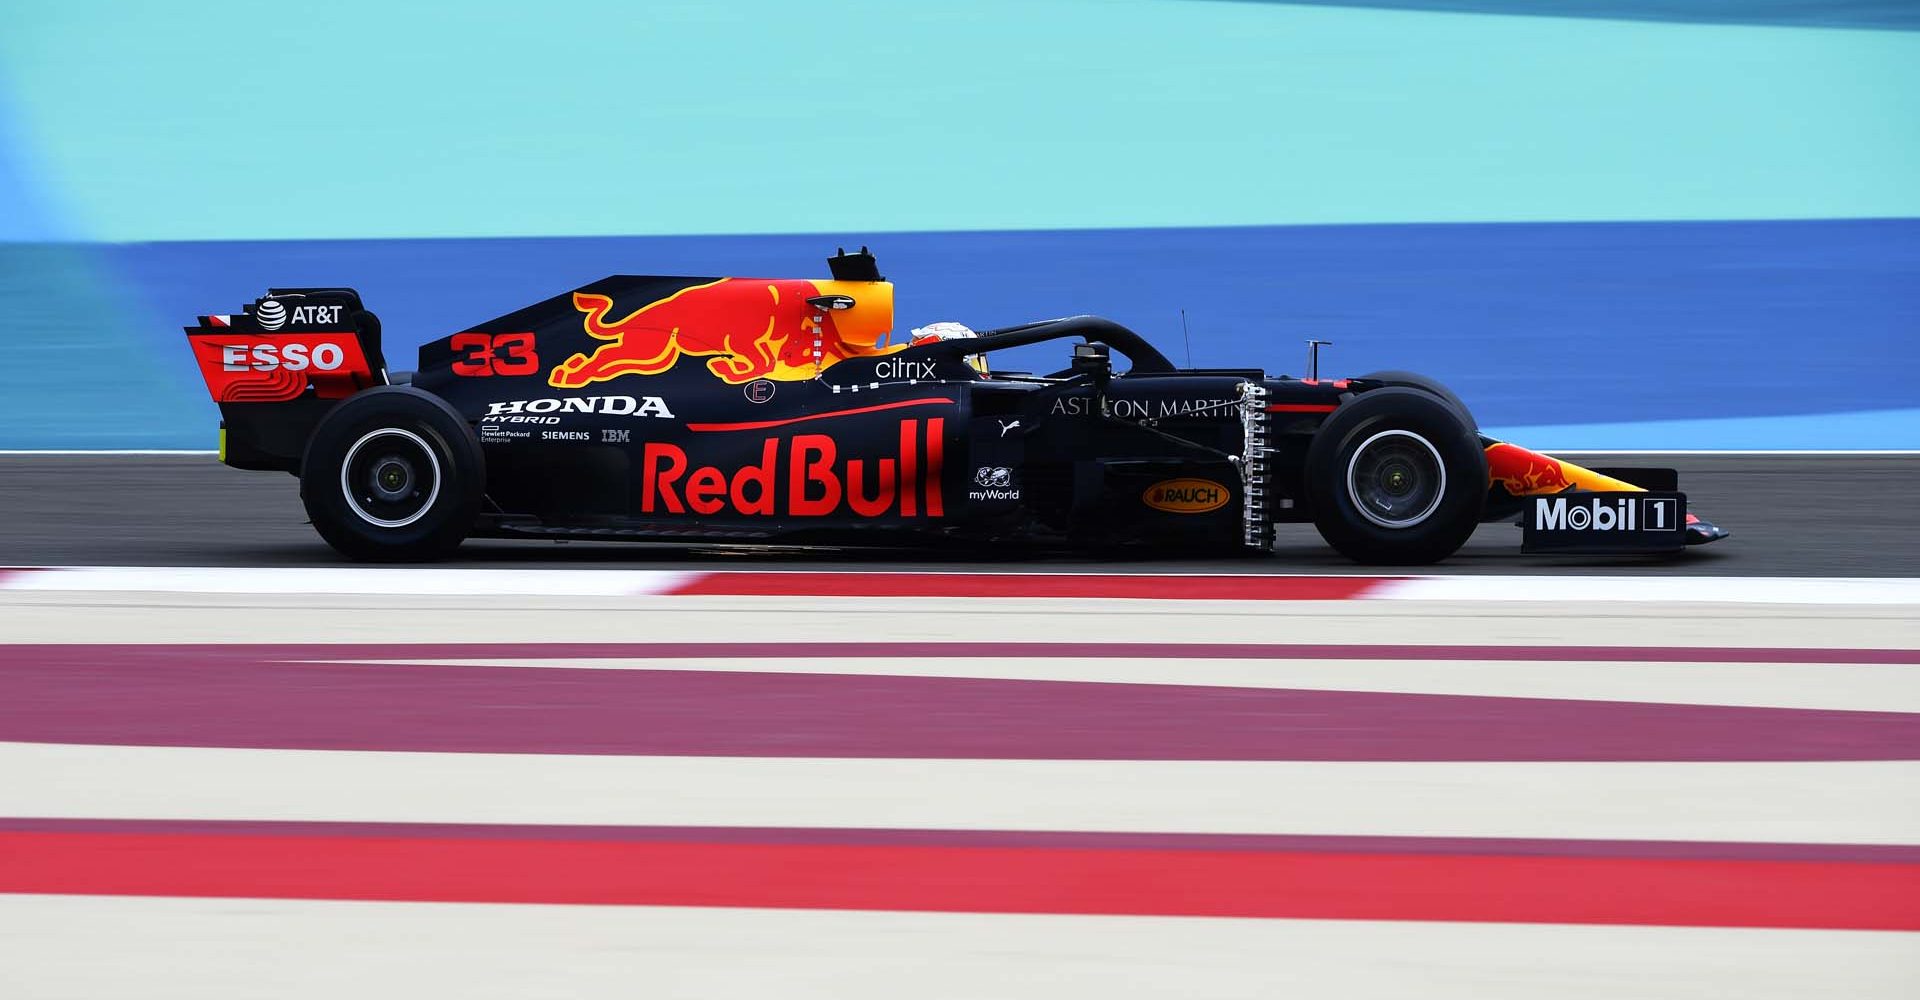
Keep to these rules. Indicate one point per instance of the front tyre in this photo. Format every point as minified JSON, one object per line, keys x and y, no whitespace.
{"x":1395,"y":476}
{"x":1425,"y":383}
{"x":392,"y":475}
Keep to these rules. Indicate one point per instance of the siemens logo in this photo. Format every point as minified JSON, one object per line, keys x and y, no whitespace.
{"x":1604,"y":513}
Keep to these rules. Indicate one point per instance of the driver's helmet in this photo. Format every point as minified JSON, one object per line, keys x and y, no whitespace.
{"x":933,"y":332}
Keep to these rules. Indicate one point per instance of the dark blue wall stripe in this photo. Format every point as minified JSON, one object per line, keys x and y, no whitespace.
{"x":1533,"y":324}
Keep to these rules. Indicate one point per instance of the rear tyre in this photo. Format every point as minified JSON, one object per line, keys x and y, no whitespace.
{"x":1396,"y":477}
{"x":1415,"y":380}
{"x":392,"y":475}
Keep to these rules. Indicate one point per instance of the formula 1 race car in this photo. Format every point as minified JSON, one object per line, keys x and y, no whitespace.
{"x":780,"y":412}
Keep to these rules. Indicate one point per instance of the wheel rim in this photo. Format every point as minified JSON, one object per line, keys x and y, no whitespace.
{"x":1396,"y":479}
{"x":390,"y":478}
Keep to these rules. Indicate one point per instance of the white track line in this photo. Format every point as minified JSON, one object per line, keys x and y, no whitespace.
{"x":352,"y":580}
{"x":349,"y":580}
{"x":1660,"y":589}
{"x":60,"y":947}
{"x":376,"y":618}
{"x":1844,"y":802}
{"x":1840,"y":687}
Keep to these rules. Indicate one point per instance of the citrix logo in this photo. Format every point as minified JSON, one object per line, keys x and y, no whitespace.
{"x":1600,"y":513}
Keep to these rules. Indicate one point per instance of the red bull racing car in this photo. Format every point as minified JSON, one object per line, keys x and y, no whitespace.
{"x":786,"y":411}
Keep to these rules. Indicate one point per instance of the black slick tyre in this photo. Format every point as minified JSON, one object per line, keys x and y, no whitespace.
{"x":1396,"y":477}
{"x":1415,"y":380}
{"x":393,"y":474}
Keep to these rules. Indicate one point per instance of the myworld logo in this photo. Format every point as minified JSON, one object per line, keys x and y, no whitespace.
{"x":1604,"y":513}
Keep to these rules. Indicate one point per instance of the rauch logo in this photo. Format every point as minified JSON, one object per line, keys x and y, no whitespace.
{"x":1185,"y":496}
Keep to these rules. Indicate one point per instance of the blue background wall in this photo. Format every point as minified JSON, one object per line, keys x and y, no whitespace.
{"x":1605,"y":232}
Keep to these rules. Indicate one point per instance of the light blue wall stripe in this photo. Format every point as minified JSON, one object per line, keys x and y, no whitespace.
{"x":1900,"y":15}
{"x":24,"y":212}
{"x":365,"y":118}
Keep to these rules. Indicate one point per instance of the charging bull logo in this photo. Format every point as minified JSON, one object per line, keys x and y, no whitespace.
{"x":750,"y":329}
{"x":1526,"y":473}
{"x":1529,"y":474}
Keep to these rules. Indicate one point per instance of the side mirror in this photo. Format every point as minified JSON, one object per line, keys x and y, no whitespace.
{"x":831,"y":303}
{"x":1093,"y":360}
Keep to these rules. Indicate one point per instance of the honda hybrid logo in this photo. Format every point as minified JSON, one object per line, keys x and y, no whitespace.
{"x":531,"y":410}
{"x":1605,"y":513}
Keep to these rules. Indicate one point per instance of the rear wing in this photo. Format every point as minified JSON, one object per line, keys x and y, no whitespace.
{"x":278,"y":365}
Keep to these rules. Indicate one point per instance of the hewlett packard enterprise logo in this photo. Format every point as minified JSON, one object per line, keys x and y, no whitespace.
{"x":1605,"y":512}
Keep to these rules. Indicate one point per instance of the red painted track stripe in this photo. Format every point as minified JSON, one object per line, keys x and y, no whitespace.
{"x":1187,"y":588}
{"x":759,"y":425}
{"x":678,"y":711}
{"x":975,"y":879}
{"x":1721,"y":850}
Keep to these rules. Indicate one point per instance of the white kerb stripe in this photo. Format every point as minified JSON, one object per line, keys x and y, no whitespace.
{"x":195,"y":949}
{"x":350,"y":580}
{"x":354,"y":580}
{"x":1875,"y":687}
{"x":1657,"y":589}
{"x":1827,"y":802}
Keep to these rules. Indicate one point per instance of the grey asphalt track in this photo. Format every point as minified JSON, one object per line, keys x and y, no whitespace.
{"x":1790,"y":516}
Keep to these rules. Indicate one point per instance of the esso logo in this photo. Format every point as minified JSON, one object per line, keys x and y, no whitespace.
{"x":322,"y":357}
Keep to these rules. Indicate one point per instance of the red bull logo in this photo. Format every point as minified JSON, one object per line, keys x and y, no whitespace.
{"x":749,"y":329}
{"x":817,"y":480}
{"x":1526,"y":473}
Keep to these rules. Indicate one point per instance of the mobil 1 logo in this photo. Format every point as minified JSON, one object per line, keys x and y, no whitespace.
{"x":1605,"y":522}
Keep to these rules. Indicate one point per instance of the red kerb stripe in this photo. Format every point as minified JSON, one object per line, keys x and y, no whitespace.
{"x":1188,"y":588}
{"x":1583,"y":890}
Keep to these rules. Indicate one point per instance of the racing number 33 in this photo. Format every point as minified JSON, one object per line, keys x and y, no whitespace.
{"x":494,"y":354}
